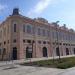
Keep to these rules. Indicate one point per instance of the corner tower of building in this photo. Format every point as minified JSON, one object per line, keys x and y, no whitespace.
{"x":15,"y":11}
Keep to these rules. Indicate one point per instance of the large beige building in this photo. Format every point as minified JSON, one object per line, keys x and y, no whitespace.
{"x":22,"y":37}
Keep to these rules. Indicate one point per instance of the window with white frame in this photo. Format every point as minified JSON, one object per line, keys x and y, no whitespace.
{"x":43,"y":32}
{"x":23,"y":28}
{"x":39,"y":31}
{"x":29,"y":29}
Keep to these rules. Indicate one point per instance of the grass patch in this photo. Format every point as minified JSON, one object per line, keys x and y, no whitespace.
{"x":64,"y":63}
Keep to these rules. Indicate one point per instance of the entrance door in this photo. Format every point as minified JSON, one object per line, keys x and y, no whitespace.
{"x":44,"y":52}
{"x":67,"y":51}
{"x":28,"y":53}
{"x":74,"y":50}
{"x":57,"y":51}
{"x":14,"y":53}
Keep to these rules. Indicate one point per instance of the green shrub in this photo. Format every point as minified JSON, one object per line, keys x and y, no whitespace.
{"x":62,"y":64}
{"x":65,"y":65}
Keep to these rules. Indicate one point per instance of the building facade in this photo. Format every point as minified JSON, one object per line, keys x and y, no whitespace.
{"x":22,"y":37}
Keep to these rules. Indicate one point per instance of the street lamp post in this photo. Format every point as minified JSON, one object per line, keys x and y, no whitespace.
{"x":56,"y":23}
{"x":30,"y":49}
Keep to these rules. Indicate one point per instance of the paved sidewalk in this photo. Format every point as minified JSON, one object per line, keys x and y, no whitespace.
{"x":70,"y":71}
{"x":12,"y":68}
{"x":28,"y":70}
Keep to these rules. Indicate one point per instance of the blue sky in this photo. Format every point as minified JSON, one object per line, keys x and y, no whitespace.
{"x":52,"y":10}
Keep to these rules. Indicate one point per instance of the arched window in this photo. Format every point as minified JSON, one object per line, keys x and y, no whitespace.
{"x":45,"y":52}
{"x":14,"y":53}
{"x":67,"y":51}
{"x":1,"y":34}
{"x":4,"y":31}
{"x":14,"y":27}
{"x":57,"y":51}
{"x":28,"y":53}
{"x":0,"y":51}
{"x":28,"y":29}
{"x":4,"y":51}
{"x":74,"y":50}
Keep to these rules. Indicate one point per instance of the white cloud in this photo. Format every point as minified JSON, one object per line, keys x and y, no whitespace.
{"x":2,"y":7}
{"x":39,"y":7}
